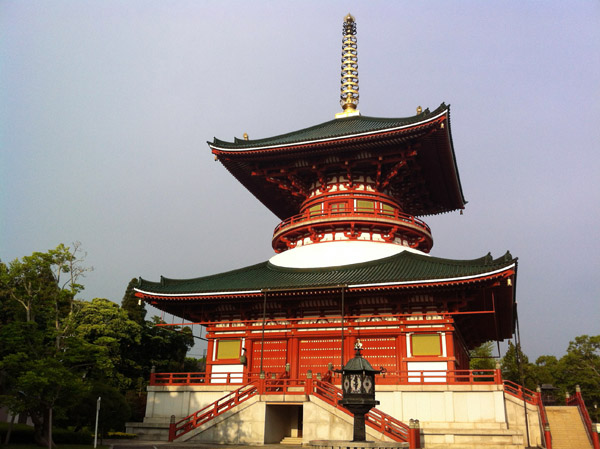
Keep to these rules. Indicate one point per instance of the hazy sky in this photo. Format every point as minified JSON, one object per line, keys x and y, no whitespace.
{"x":106,"y":107}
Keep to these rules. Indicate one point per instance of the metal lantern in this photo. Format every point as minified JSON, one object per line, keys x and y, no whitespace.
{"x":358,"y":386}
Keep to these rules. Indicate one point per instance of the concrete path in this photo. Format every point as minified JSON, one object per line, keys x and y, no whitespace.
{"x":144,"y":444}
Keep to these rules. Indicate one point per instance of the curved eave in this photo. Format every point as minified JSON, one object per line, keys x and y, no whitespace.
{"x":382,"y":286}
{"x":437,"y":162}
{"x":221,"y":147}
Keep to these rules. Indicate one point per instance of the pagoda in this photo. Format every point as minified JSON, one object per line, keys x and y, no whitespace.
{"x":351,"y":263}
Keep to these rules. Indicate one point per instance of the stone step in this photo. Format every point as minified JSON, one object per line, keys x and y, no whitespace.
{"x":567,"y":428}
{"x":292,"y":441}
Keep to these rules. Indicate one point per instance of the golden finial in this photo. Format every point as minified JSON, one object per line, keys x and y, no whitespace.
{"x":349,"y":89}
{"x":419,"y":110}
{"x":245,"y":136}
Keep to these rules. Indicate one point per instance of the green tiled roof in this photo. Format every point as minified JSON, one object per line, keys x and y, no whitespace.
{"x":403,"y":267}
{"x":334,"y":128}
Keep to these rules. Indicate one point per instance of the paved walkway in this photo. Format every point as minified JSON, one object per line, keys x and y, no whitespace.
{"x":144,"y":444}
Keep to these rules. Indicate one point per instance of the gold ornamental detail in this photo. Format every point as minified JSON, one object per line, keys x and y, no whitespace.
{"x":349,"y":88}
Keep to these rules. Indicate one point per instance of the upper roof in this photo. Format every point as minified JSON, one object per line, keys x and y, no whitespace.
{"x":428,"y":184}
{"x":406,"y":269}
{"x":331,"y":130}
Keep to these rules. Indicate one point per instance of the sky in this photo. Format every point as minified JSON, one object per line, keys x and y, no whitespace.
{"x":106,"y":107}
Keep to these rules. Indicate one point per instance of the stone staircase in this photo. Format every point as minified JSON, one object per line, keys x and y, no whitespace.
{"x":292,"y":441}
{"x":567,"y":429}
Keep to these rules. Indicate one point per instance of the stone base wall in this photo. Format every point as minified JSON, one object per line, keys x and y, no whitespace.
{"x":448,"y":415}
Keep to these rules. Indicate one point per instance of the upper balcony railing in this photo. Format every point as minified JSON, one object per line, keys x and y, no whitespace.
{"x":389,"y":221}
{"x":412,"y":377}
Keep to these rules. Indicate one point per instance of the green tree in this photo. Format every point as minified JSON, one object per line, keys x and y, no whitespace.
{"x":133,"y":305}
{"x":111,"y":336}
{"x":481,"y":357}
{"x":516,"y":367}
{"x":41,"y":363}
{"x":581,"y":366}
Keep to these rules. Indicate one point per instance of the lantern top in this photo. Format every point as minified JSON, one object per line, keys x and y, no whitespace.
{"x":358,"y":363}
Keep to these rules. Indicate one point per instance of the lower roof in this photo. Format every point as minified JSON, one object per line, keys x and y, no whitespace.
{"x":406,"y":269}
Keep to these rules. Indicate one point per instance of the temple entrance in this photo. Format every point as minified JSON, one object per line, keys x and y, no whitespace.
{"x":282,"y":421}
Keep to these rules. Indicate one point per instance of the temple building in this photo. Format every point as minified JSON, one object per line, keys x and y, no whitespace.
{"x":352,"y":264}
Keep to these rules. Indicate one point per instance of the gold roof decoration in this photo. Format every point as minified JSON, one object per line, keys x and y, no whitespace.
{"x":349,"y":88}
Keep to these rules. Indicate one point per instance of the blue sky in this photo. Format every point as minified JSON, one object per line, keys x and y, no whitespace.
{"x":106,"y":107}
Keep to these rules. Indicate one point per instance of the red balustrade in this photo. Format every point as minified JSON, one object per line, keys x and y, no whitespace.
{"x":544,"y":420}
{"x":376,"y":419}
{"x":213,"y":410}
{"x":428,"y":377}
{"x":329,"y":393}
{"x":358,"y":212}
{"x":516,"y":390}
{"x":177,"y":379}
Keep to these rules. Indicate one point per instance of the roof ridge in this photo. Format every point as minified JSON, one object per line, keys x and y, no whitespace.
{"x":337,"y":123}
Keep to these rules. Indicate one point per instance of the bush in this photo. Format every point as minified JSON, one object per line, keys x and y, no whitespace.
{"x":21,"y":433}
{"x":121,"y":435}
{"x":64,"y":436}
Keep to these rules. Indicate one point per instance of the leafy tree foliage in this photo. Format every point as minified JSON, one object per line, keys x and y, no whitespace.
{"x":481,"y":357}
{"x":134,"y":307}
{"x":109,"y":331}
{"x":579,"y":366}
{"x":516,"y":367}
{"x":41,"y":362}
{"x":58,"y":354}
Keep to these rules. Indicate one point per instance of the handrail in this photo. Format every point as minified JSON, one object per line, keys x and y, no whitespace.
{"x":546,"y":433}
{"x":376,"y":419}
{"x":211,"y":411}
{"x":408,"y":377}
{"x":577,"y":400}
{"x":157,"y":379}
{"x":327,"y":392}
{"x":309,"y":216}
{"x":520,"y":392}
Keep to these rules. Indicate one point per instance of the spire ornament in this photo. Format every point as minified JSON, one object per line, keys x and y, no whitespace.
{"x":349,"y":88}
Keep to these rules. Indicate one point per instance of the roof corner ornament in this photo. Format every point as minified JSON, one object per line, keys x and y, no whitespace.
{"x":349,"y":88}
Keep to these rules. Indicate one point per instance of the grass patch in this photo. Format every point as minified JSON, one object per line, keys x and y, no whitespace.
{"x":22,"y":437}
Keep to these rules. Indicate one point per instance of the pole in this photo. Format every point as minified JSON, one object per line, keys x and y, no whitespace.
{"x":521,"y":374}
{"x":97,"y":415}
{"x":50,"y":428}
{"x":262,"y":338}
{"x":342,"y":313}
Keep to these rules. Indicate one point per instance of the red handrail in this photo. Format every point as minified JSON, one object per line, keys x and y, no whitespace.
{"x":329,"y":393}
{"x":547,"y":435}
{"x":358,"y":212}
{"x":520,"y":392}
{"x":427,"y":377}
{"x":213,"y":410}
{"x":577,"y":400}
{"x":177,"y":379}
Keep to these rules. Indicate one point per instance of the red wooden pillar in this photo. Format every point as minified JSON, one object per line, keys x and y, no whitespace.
{"x":209,"y":360}
{"x":402,"y":364}
{"x":249,"y":345}
{"x":172,"y":429}
{"x":595,"y":439}
{"x":547,"y":436}
{"x":293,"y":357}
{"x":414,"y":434}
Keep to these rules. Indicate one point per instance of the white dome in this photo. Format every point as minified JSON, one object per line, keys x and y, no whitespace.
{"x":332,"y":254}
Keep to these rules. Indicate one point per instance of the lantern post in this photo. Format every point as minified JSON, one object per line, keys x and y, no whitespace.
{"x":358,"y":386}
